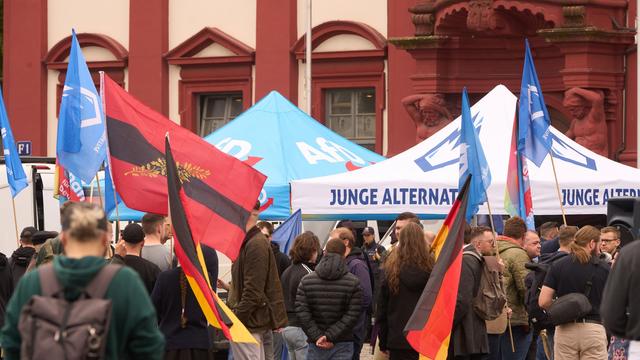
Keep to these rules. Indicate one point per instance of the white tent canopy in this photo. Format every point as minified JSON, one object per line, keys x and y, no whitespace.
{"x":424,"y":178}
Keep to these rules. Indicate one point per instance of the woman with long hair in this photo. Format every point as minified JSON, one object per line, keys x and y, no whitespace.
{"x":303,"y":260}
{"x":406,"y":272}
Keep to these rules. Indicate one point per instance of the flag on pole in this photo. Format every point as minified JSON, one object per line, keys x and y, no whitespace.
{"x":517,"y":197}
{"x":429,"y":328}
{"x":189,"y":254}
{"x":82,"y":144}
{"x":534,"y":138}
{"x":288,"y":231}
{"x":66,"y":186}
{"x":221,"y":190}
{"x":472,"y":161}
{"x":15,"y":173}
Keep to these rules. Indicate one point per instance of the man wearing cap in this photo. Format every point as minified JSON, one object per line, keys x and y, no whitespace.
{"x":133,"y":237}
{"x":22,"y":256}
{"x":38,"y":240}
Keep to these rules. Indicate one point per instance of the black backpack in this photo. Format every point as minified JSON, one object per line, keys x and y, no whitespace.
{"x":533,"y":282}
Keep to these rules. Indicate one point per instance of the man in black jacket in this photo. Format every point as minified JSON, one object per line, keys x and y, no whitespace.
{"x":620,"y":309}
{"x":328,"y":305}
{"x":22,"y":256}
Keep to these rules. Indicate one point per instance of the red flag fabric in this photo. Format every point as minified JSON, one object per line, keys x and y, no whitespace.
{"x":429,"y":328}
{"x":220,"y":190}
{"x":189,"y":254}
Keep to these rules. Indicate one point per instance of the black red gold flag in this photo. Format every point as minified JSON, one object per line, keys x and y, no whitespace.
{"x":429,"y":328}
{"x":189,"y":254}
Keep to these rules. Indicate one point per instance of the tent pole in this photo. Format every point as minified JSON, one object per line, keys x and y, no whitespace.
{"x":555,"y":176}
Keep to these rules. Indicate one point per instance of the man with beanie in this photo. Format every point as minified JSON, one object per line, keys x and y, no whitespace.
{"x":22,"y":256}
{"x":133,"y":237}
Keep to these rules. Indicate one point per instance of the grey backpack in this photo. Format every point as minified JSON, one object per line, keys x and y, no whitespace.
{"x":54,"y":328}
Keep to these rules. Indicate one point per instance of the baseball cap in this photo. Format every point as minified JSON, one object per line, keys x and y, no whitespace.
{"x":368,"y":231}
{"x":133,"y":233}
{"x":28,"y":232}
{"x":41,"y":236}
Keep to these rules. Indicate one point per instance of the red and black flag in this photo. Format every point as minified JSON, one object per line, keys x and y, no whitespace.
{"x":429,"y":328}
{"x":189,"y":254}
{"x":220,"y":190}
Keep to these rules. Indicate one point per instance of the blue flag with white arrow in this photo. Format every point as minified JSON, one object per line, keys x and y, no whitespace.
{"x":472,"y":161}
{"x":534,"y":138}
{"x":81,"y":146}
{"x":15,"y":173}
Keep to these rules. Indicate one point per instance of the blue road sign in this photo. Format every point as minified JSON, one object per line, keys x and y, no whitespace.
{"x":24,"y":148}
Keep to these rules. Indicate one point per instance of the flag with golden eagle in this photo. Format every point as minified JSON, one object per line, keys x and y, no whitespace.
{"x":189,"y":254}
{"x":429,"y":328}
{"x":220,"y":189}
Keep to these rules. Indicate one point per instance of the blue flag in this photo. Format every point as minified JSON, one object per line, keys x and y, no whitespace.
{"x":15,"y":173}
{"x":81,"y":146}
{"x":472,"y":161}
{"x":534,"y":139}
{"x":110,"y":194}
{"x":288,"y":231}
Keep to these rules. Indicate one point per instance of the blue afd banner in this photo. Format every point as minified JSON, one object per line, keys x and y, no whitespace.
{"x":15,"y":173}
{"x":284,"y":143}
{"x":534,"y":138}
{"x":81,"y":145}
{"x":472,"y":161}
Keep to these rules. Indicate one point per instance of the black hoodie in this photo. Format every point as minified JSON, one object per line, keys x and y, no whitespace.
{"x":395,"y":309}
{"x":329,"y":301}
{"x":6,"y":286}
{"x":282,"y":260}
{"x":19,"y":262}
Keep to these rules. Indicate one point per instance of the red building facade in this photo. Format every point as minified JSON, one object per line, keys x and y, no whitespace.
{"x":368,"y":56}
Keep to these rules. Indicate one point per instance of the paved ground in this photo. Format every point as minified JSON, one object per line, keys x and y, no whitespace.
{"x":365,"y":354}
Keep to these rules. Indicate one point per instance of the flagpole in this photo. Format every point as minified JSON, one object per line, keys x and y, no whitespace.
{"x":113,"y":185}
{"x":495,"y":245}
{"x":15,"y":219}
{"x":173,"y":248}
{"x":99,"y":190}
{"x":555,"y":176}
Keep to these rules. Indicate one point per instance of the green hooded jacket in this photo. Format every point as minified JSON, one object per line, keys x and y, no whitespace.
{"x":514,"y":258}
{"x":133,"y":332}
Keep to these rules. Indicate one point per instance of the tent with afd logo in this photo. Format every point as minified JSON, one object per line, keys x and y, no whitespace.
{"x":424,"y":178}
{"x":284,"y":143}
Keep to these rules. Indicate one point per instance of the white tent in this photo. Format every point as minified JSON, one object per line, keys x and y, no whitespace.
{"x":424,"y":178}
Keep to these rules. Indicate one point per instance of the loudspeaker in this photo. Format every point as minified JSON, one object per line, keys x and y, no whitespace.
{"x":624,"y":213}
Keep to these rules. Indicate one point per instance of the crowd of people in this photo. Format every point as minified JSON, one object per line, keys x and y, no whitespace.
{"x":562,"y":293}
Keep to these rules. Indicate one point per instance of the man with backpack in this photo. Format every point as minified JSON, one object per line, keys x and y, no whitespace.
{"x":79,"y":307}
{"x":510,"y":248}
{"x":480,"y":297}
{"x":534,"y":280}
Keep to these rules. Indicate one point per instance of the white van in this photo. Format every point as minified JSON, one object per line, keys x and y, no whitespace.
{"x":34,"y":206}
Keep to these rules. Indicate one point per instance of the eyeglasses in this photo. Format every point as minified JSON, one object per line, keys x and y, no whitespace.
{"x":608,"y":240}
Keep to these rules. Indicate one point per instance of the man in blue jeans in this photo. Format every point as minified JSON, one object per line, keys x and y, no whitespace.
{"x":328,"y":305}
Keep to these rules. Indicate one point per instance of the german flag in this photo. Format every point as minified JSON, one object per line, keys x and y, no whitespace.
{"x":189,"y":254}
{"x":429,"y":328}
{"x":220,"y":190}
